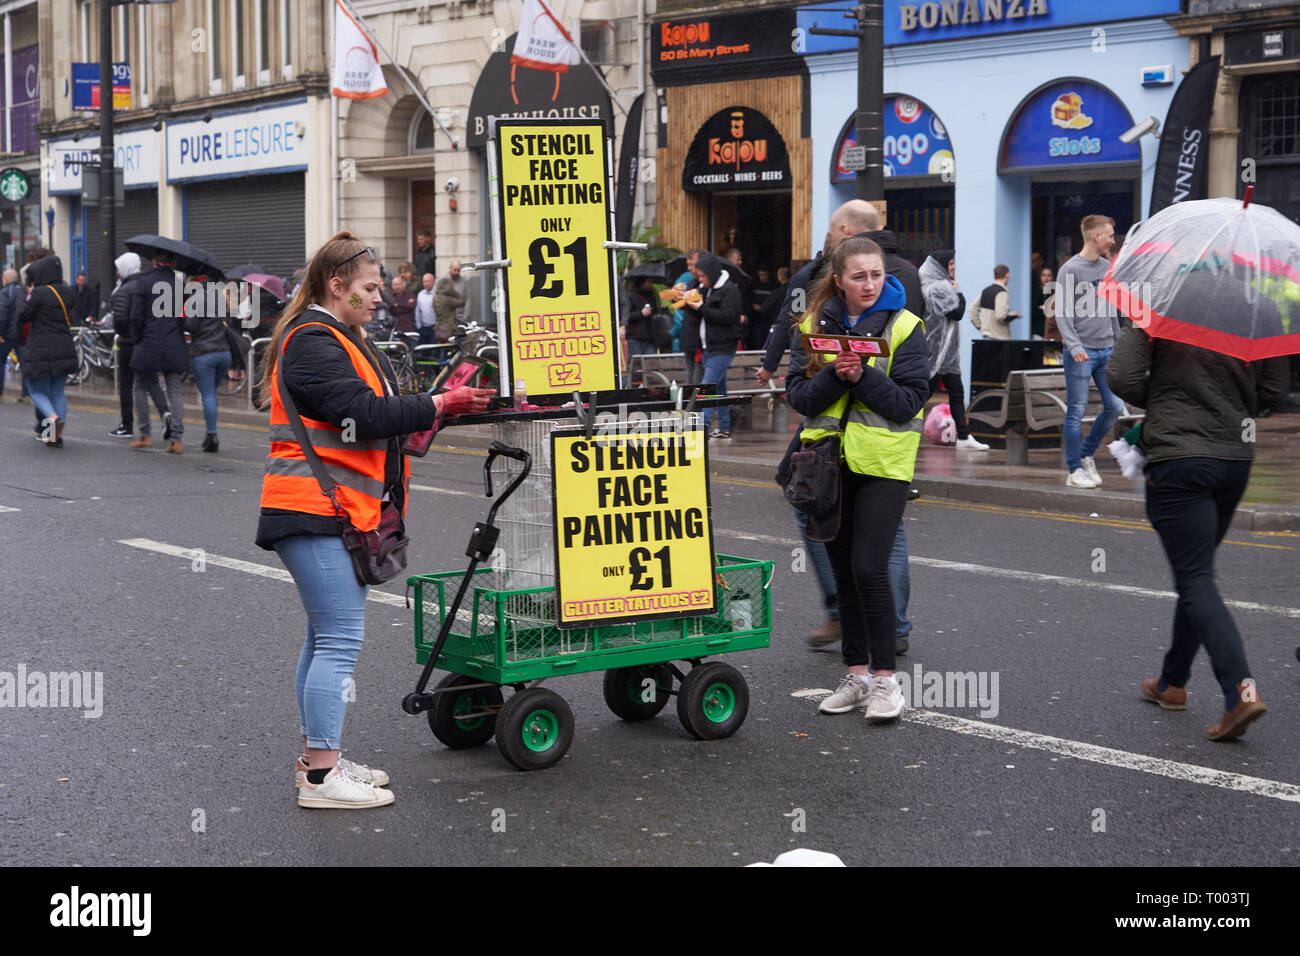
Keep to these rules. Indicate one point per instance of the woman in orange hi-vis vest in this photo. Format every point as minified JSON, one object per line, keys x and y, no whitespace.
{"x":346,"y":395}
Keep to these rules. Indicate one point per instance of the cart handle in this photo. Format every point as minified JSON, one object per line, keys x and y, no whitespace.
{"x":519,"y":454}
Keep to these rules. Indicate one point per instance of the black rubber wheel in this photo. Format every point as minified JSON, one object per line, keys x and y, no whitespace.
{"x":534,"y":729}
{"x":445,"y":721}
{"x":713,"y":701}
{"x":625,"y":690}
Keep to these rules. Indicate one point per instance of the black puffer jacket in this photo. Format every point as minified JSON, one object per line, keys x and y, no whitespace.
{"x":325,"y":387}
{"x":119,"y":303}
{"x":722,"y":308}
{"x":1198,"y":403}
{"x":207,"y":332}
{"x":49,"y":349}
{"x":159,"y":339}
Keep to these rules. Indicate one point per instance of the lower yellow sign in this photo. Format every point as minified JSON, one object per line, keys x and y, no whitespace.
{"x":633,"y":538}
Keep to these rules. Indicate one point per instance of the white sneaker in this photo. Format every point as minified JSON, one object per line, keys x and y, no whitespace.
{"x":376,"y":778}
{"x":850,"y":695}
{"x":1079,"y":479}
{"x":1090,"y":466}
{"x":971,"y":443}
{"x":885,"y":698}
{"x":342,"y":791}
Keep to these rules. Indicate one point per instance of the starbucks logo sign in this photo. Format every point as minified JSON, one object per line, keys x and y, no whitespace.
{"x":14,"y":185}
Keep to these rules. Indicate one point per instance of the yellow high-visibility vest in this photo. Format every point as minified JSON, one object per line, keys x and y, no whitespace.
{"x":872,"y":445}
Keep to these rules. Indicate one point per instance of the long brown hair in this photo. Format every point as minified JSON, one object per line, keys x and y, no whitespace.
{"x":331,"y":259}
{"x":825,"y":287}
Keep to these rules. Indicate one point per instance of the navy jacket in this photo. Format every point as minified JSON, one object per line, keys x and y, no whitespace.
{"x":11,"y":298}
{"x":325,"y":387}
{"x":159,"y":339}
{"x":897,"y":396}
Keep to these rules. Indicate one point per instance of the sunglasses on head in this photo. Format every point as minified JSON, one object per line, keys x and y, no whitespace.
{"x":368,"y":252}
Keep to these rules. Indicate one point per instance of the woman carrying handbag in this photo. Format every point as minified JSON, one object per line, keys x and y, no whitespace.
{"x":875,"y":408}
{"x":50,"y":355}
{"x":334,"y":493}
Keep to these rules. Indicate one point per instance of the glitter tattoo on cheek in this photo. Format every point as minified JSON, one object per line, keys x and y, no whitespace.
{"x":355,"y":301}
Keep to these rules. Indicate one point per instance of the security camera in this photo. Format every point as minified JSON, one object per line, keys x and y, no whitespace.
{"x":452,"y":184}
{"x":1149,"y":125}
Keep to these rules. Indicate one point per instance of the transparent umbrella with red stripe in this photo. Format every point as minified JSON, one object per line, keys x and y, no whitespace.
{"x":1217,"y":273}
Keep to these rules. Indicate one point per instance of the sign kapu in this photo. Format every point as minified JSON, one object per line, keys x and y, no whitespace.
{"x":737,"y":148}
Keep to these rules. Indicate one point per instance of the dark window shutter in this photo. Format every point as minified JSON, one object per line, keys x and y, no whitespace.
{"x":259,"y":219}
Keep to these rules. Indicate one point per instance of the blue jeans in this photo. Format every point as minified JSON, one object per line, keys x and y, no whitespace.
{"x":336,"y":628}
{"x":715,"y":373}
{"x":1077,"y":375}
{"x":47,"y":395}
{"x":210,"y":368}
{"x":822,"y":565}
{"x":900,"y":584}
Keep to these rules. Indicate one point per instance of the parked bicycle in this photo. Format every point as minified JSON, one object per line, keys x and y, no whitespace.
{"x":96,"y":351}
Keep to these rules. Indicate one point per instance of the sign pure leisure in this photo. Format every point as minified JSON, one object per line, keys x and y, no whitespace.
{"x":554,"y":206}
{"x":632,"y":533}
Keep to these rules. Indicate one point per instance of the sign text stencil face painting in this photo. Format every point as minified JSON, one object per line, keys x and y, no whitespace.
{"x":554,"y":204}
{"x":633,"y":538}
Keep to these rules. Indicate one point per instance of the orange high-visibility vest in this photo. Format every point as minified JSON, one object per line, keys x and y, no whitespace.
{"x":356,"y":464}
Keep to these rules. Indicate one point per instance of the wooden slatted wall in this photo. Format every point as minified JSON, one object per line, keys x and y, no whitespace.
{"x":684,"y":216}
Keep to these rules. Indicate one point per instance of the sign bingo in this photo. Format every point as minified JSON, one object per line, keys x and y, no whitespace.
{"x":633,"y":538}
{"x":554,"y":218}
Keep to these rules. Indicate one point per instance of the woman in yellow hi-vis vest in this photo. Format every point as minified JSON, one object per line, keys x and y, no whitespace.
{"x":345,"y":393}
{"x":884,"y":400}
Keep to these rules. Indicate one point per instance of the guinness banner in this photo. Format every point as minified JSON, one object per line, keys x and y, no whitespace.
{"x":737,"y":149}
{"x":1184,"y":144}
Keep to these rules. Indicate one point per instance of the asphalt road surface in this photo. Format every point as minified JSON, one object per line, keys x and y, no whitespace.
{"x":190,"y":762}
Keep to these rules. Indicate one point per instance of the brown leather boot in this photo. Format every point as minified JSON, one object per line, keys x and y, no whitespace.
{"x":175,"y":448}
{"x":144,"y":441}
{"x":1171,"y":698}
{"x":1234,"y":723}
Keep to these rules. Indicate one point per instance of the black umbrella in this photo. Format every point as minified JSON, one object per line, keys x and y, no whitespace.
{"x":188,"y":258}
{"x":648,"y":270}
{"x":675,"y":267}
{"x":248,"y":269}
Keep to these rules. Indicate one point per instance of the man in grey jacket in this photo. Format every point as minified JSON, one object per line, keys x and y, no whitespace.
{"x":1089,"y":329}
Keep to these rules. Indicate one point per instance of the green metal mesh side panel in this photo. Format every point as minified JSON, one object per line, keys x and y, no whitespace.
{"x":499,"y":626}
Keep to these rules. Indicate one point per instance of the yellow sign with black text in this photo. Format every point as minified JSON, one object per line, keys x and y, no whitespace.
{"x":633,"y":537}
{"x":554,"y":215}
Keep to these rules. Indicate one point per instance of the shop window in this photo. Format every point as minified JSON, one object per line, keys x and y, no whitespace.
{"x":1271,"y":118}
{"x":286,"y":47}
{"x":262,"y":40}
{"x":600,"y":40}
{"x":237,"y":43}
{"x":214,"y":46}
{"x":422,"y":133}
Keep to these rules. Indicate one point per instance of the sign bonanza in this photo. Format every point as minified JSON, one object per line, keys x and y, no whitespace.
{"x":633,"y":537}
{"x":553,"y":217}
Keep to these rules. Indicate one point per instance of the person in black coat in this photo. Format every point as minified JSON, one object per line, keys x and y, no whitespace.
{"x":719,"y":311}
{"x":49,"y":356}
{"x":154,"y":316}
{"x":11,"y":297}
{"x":128,"y":271}
{"x":86,"y":305}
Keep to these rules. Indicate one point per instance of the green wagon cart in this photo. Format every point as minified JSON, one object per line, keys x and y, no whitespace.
{"x":490,"y":637}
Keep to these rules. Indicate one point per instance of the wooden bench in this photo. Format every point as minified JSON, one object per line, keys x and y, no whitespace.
{"x":1035,"y":399}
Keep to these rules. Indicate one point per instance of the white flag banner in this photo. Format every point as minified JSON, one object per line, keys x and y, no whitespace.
{"x":357,"y":74}
{"x":542,"y":43}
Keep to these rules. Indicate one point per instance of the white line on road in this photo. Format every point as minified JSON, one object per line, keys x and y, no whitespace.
{"x":1014,"y":574}
{"x":1186,"y":772}
{"x":4,"y":508}
{"x":248,"y":567}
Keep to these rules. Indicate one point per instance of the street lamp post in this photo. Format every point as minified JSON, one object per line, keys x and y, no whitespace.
{"x":107,"y":220}
{"x":871,"y":74}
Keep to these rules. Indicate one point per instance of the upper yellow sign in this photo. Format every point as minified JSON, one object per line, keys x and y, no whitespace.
{"x":559,"y":289}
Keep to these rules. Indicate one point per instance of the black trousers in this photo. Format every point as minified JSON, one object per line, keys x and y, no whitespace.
{"x":870,"y":512}
{"x":956,"y":400}
{"x":1190,"y":502}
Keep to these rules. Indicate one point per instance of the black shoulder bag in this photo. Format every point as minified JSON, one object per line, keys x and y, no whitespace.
{"x":376,"y":555}
{"x":814,"y":485}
